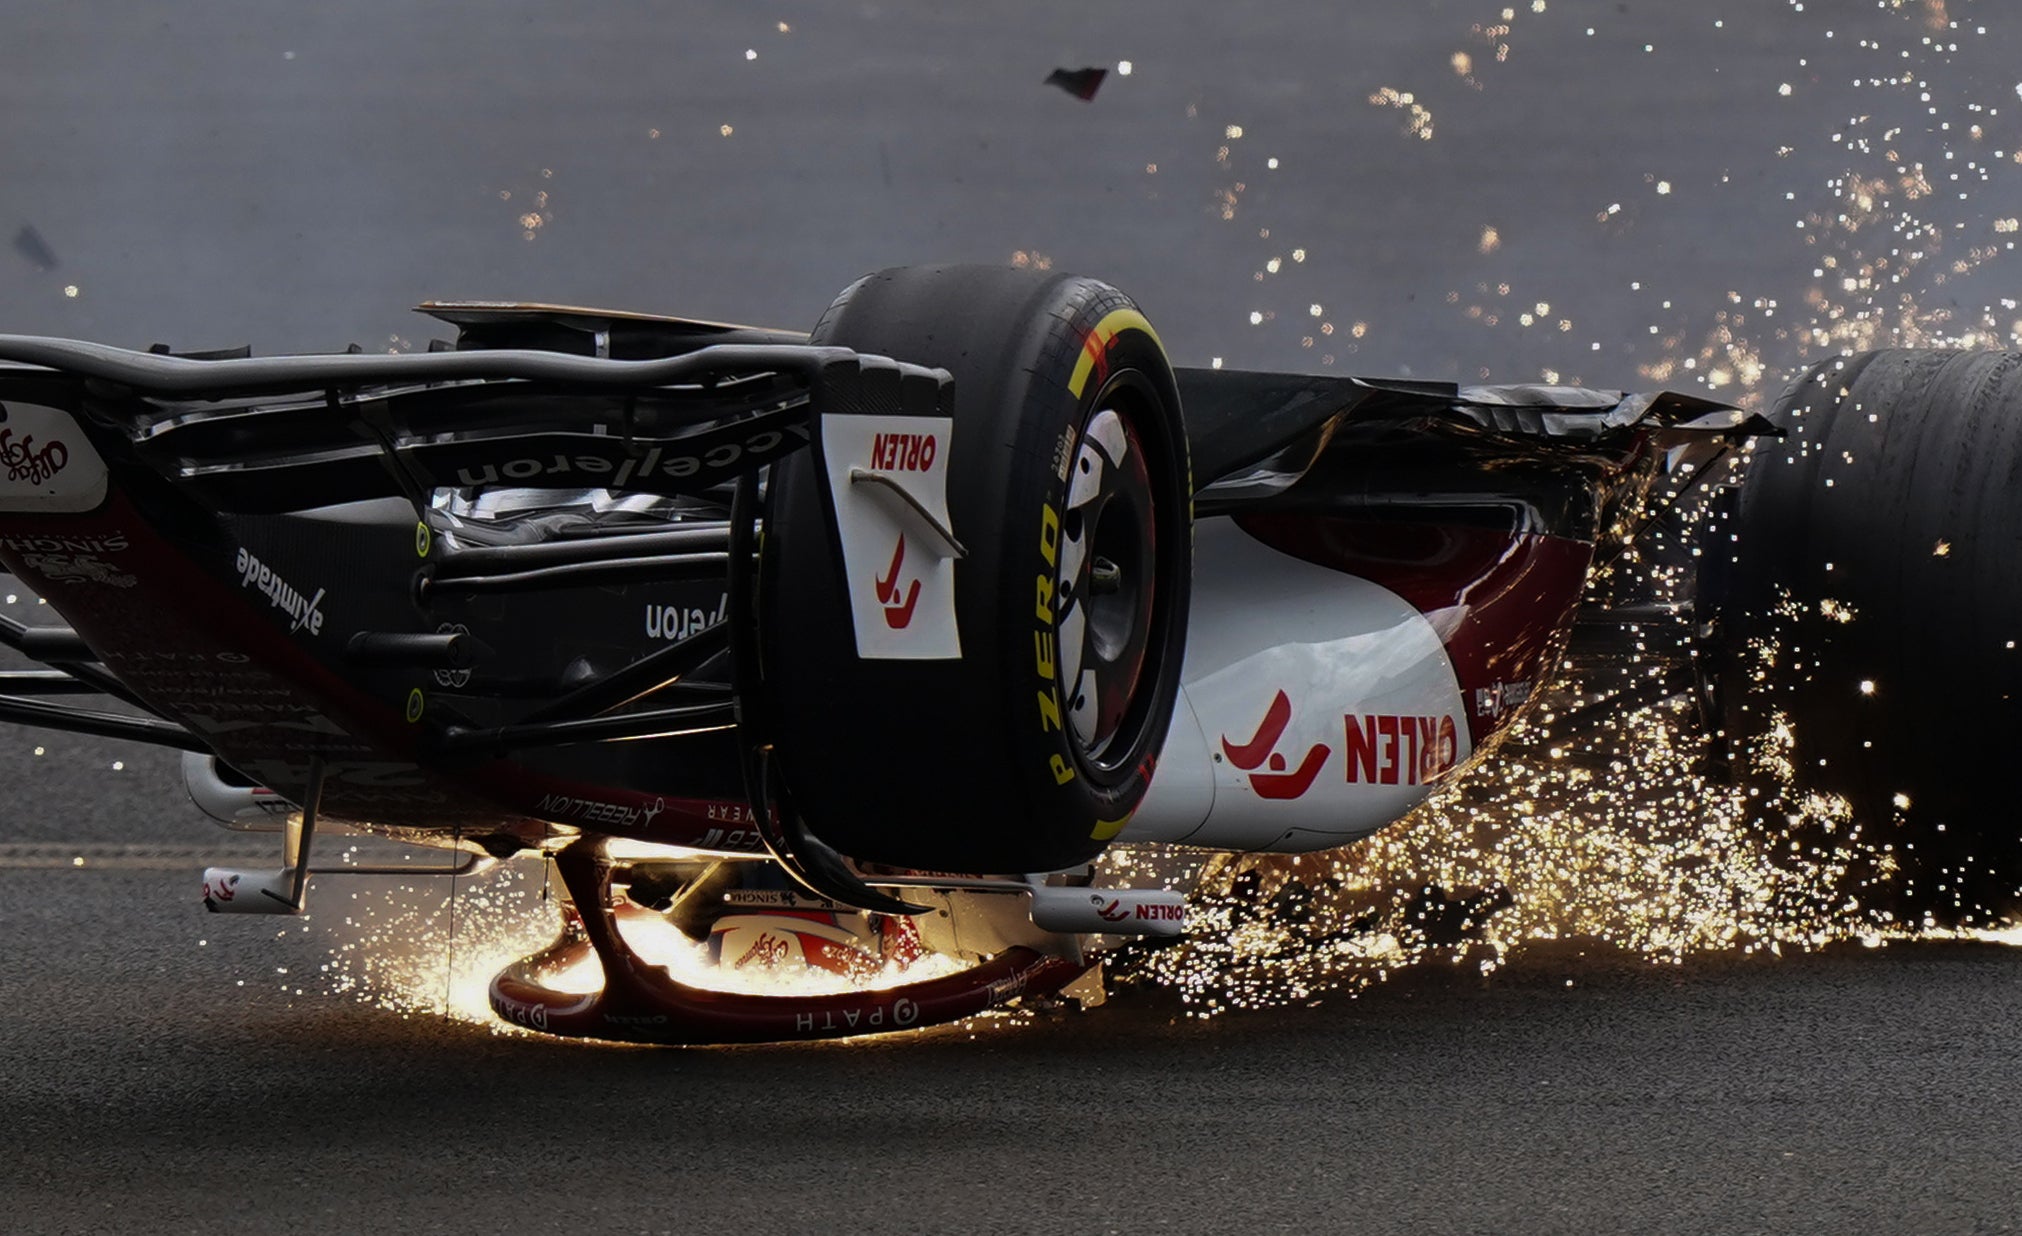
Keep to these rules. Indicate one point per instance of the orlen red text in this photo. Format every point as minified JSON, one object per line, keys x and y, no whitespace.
{"x":1385,"y":749}
{"x":903,"y":452}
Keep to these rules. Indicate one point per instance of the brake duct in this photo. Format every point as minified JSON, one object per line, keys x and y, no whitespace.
{"x":643,"y":1003}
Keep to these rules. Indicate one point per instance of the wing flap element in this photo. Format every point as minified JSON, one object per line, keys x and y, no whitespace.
{"x":888,"y":483}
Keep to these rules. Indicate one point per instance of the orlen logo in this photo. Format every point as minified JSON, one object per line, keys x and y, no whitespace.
{"x":903,"y":452}
{"x":1261,"y":751}
{"x":226,"y":888}
{"x":1384,"y":749}
{"x":1379,"y":749}
{"x":898,"y":614}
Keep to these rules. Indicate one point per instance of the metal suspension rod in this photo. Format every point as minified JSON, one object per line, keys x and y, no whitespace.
{"x":658,"y":723}
{"x":637,"y":680}
{"x":44,"y":643}
{"x":585,"y":574}
{"x":65,"y":651}
{"x":490,"y":559}
{"x":104,"y":724}
{"x":45,"y":682}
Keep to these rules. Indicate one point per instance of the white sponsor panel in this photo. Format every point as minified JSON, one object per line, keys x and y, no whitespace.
{"x":888,"y":476}
{"x":46,"y":464}
{"x":1316,"y":707}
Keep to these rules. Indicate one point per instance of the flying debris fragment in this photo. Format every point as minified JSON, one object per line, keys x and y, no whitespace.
{"x":1081,"y":83}
{"x":29,"y":244}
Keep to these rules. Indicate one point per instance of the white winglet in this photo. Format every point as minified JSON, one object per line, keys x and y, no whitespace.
{"x":888,"y":477}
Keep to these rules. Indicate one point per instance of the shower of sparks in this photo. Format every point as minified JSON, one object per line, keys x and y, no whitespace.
{"x":1610,"y":833}
{"x":1889,"y":227}
{"x":1417,"y":119}
{"x":530,"y":207}
{"x":1889,"y":236}
{"x":403,"y":948}
{"x":1618,"y":836}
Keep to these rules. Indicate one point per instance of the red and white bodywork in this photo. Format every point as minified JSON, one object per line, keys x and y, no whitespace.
{"x":1329,"y":689}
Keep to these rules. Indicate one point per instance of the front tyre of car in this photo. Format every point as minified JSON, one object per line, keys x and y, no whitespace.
{"x":1069,"y":489}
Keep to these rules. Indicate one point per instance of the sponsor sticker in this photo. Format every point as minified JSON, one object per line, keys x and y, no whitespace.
{"x":1259,"y":756}
{"x":46,"y":464}
{"x":304,"y":612}
{"x":566,"y":808}
{"x":635,"y":1019}
{"x":1045,"y":654}
{"x":77,"y":568}
{"x":673,"y":623}
{"x":92,"y":543}
{"x":615,"y":468}
{"x":520,"y":1012}
{"x":455,"y":679}
{"x":1501,"y":697}
{"x":1389,"y":749}
{"x":736,"y":840}
{"x":1377,"y":749}
{"x":898,"y":613}
{"x":898,"y":1013}
{"x":901,"y":588}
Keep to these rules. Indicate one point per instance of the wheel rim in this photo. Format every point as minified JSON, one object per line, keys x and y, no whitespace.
{"x":1108,"y":585}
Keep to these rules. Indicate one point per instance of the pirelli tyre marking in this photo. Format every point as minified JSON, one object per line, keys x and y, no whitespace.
{"x":1045,"y":657}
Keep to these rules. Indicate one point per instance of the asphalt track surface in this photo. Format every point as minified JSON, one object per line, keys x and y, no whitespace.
{"x":211,"y":174}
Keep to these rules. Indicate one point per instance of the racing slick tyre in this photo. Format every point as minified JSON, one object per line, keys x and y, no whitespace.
{"x":1069,"y":490}
{"x":1874,"y":559}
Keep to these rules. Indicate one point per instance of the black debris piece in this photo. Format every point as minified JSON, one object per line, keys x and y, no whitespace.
{"x":1081,"y":83}
{"x":29,"y":244}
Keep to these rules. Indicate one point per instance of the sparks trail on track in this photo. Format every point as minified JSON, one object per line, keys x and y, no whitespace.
{"x":1640,"y":850}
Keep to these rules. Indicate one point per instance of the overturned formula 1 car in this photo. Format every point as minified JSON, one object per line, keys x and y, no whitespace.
{"x":853,"y":650}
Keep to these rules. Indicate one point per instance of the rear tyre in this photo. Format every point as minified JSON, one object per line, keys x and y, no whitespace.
{"x":1069,"y":488}
{"x":1876,"y":551}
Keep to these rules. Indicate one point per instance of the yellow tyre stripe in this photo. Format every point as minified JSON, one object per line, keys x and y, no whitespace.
{"x":1106,"y":830}
{"x":1113,"y":323}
